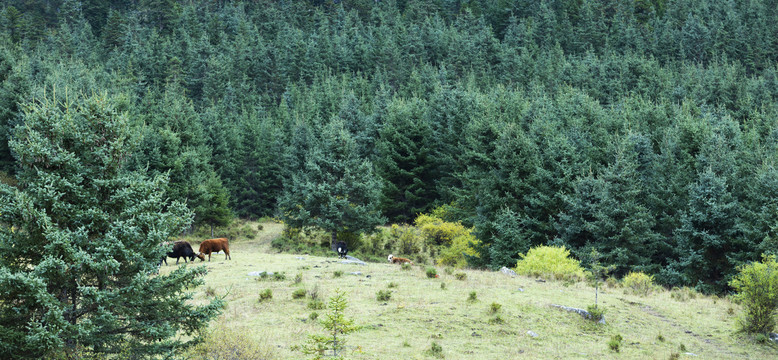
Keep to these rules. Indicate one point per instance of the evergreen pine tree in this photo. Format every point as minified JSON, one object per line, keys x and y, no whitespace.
{"x":335,"y":190}
{"x":80,"y":238}
{"x":405,"y":164}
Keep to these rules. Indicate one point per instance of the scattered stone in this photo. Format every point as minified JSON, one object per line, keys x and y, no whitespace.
{"x":356,"y":273}
{"x":773,"y":336}
{"x":690,"y":354}
{"x":532,"y":333}
{"x":581,"y":312}
{"x":299,"y":258}
{"x":475,"y":334}
{"x":368,"y":276}
{"x":507,"y":271}
{"x":540,"y":280}
{"x":352,"y":260}
{"x":260,"y":273}
{"x":521,"y":290}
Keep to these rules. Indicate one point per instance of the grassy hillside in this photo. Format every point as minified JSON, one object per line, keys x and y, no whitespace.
{"x":423,"y":311}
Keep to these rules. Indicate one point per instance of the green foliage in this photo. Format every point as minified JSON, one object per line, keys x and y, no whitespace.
{"x":457,"y":242}
{"x":383,"y":295}
{"x":337,"y":273}
{"x":335,"y":190}
{"x":639,"y":283}
{"x":81,"y":237}
{"x":435,"y":350}
{"x":298,"y":294}
{"x":431,"y":272}
{"x":643,"y":130}
{"x":549,"y":262}
{"x":472,"y":297}
{"x":336,"y":325}
{"x":494,"y":308}
{"x":316,"y":305}
{"x":683,"y":294}
{"x":596,"y":312}
{"x":265,"y":295}
{"x":756,"y":287}
{"x":615,"y":342}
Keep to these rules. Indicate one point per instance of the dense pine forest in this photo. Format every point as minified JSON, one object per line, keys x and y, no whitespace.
{"x":644,"y":129}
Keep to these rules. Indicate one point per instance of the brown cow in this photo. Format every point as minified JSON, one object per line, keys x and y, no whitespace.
{"x":215,"y":245}
{"x":398,"y":260}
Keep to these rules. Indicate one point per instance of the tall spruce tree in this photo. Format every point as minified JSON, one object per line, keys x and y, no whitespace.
{"x":335,"y":190}
{"x":80,"y":238}
{"x":709,"y":236}
{"x":405,"y":162}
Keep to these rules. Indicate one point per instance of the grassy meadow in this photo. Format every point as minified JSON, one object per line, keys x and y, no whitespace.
{"x":425,"y":312}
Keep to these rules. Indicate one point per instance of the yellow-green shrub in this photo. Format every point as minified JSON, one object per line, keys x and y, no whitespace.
{"x":454,"y":255}
{"x":454,"y":240}
{"x":757,"y":290}
{"x":439,"y":232}
{"x":639,"y":283}
{"x":550,"y":262}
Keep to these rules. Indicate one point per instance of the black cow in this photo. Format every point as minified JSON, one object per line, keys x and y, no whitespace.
{"x":181,"y":249}
{"x":342,"y":249}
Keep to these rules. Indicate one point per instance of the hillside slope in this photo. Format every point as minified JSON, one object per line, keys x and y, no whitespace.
{"x":422,"y":312}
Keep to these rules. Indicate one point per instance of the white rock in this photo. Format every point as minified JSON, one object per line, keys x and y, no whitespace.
{"x":532,"y":333}
{"x":507,"y":271}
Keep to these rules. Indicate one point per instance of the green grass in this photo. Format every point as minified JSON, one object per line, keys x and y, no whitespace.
{"x":420,"y":314}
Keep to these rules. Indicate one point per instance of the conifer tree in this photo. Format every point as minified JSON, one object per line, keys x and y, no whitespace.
{"x":709,"y":235}
{"x":405,"y":162}
{"x":335,"y":190}
{"x":81,"y":242}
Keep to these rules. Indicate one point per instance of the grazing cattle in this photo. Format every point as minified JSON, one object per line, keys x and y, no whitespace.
{"x":342,"y":249}
{"x":181,"y":249}
{"x":214,"y":246}
{"x":398,"y":260}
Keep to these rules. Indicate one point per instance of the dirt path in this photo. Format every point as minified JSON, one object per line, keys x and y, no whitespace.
{"x":721,"y":350}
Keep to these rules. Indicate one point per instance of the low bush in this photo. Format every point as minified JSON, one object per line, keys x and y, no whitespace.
{"x":683,"y":294}
{"x":497,"y":320}
{"x":383,"y":295}
{"x":337,"y":274}
{"x":460,"y":276}
{"x":316,"y":304}
{"x":550,"y":262}
{"x":639,"y":283}
{"x":615,"y":342}
{"x":596,"y":312}
{"x":266,"y":294}
{"x":432,"y":272}
{"x":298,"y":294}
{"x":405,"y":266}
{"x":494,"y":308}
{"x":435,"y":350}
{"x":472,"y":297}
{"x":298,"y":278}
{"x":756,"y":287}
{"x":392,"y":285}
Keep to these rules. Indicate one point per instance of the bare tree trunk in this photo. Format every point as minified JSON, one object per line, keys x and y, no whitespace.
{"x":334,"y":240}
